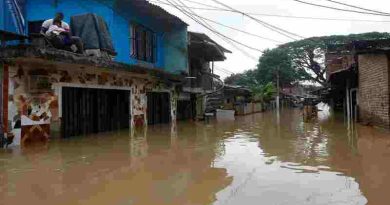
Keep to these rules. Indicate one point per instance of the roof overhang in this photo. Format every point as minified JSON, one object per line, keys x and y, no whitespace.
{"x":237,"y":90}
{"x":202,"y":46}
{"x":9,"y":36}
{"x":11,"y":54}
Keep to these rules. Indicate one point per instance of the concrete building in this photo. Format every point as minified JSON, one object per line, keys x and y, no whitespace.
{"x":47,"y":92}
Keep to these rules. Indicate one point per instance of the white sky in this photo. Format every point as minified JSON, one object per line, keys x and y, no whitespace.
{"x":238,"y":62}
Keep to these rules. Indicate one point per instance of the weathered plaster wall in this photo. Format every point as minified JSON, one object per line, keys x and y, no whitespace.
{"x":30,"y":107}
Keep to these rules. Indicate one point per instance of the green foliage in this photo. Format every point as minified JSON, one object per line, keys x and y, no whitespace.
{"x":273,"y":63}
{"x":302,"y":60}
{"x":263,"y":93}
{"x":246,"y":78}
{"x":308,"y":55}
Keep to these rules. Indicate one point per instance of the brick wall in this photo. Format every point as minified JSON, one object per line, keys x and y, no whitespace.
{"x":374,"y":90}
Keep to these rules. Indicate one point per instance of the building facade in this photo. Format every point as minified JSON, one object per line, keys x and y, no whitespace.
{"x":48,"y":92}
{"x":203,"y":85}
{"x":360,"y":82}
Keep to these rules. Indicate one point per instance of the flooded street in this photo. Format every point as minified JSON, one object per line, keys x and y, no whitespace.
{"x":256,"y":159}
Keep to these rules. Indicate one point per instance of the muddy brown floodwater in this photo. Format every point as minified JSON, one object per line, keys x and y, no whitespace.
{"x":256,"y":159}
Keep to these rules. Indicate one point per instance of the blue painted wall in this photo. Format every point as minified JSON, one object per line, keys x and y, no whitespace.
{"x":2,"y":15}
{"x":7,"y":22}
{"x":171,"y":45}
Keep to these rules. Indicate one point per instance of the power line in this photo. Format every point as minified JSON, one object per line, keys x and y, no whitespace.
{"x":276,"y":15}
{"x":214,"y":31}
{"x":320,"y":18}
{"x":265,"y":24}
{"x":236,"y":29}
{"x":230,"y":27}
{"x":357,"y":7}
{"x":223,"y":70}
{"x":223,"y":37}
{"x":203,"y":4}
{"x":245,"y":32}
{"x":338,"y":9}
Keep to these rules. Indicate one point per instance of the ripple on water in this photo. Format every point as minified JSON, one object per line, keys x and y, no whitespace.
{"x":256,"y":159}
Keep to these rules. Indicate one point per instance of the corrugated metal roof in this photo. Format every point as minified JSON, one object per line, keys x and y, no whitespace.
{"x":202,"y":46}
{"x":205,"y":38}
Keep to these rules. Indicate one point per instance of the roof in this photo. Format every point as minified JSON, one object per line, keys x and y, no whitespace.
{"x":237,"y":90}
{"x":360,"y":46}
{"x":371,"y":46}
{"x":341,"y":58}
{"x":203,"y":46}
{"x":144,"y":8}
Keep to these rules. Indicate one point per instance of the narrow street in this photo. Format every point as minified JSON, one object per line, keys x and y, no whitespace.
{"x":256,"y":159}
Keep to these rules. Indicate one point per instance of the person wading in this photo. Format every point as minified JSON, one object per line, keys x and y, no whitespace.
{"x":58,"y":32}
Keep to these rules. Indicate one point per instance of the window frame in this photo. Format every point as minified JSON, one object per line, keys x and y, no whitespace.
{"x":143,"y":43}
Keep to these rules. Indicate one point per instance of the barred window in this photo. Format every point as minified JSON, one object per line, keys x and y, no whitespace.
{"x":143,"y":43}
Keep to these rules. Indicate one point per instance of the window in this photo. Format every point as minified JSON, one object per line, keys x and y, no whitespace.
{"x":143,"y":43}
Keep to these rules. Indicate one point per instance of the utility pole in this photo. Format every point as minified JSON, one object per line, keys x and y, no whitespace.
{"x":278,"y":89}
{"x":212,"y":71}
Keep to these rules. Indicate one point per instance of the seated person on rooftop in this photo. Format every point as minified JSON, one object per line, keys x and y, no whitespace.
{"x":58,"y":32}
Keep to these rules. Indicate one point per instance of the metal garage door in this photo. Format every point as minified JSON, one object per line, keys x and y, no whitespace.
{"x":159,"y":108}
{"x":86,"y":111}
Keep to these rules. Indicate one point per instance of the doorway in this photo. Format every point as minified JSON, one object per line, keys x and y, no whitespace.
{"x":159,"y":108}
{"x":89,"y":111}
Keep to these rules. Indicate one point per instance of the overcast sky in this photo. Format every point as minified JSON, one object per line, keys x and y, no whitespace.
{"x":238,"y":62}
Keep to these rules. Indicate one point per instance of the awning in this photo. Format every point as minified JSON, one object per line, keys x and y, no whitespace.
{"x":202,"y":46}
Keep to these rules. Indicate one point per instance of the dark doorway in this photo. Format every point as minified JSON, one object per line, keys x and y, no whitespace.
{"x":87,"y":111}
{"x":159,"y":108}
{"x":185,"y":109}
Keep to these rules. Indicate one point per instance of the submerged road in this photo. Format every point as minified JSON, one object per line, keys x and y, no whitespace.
{"x":256,"y":159}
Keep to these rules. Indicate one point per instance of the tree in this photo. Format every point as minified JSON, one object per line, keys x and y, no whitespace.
{"x":308,"y":55}
{"x":263,"y":93}
{"x":233,"y":79}
{"x":302,"y":60}
{"x":246,"y":78}
{"x":276,"y":62}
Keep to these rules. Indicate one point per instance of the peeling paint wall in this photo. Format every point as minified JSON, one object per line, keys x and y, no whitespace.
{"x":173,"y":96}
{"x":35,"y":92}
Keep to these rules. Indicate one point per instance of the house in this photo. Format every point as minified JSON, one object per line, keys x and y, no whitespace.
{"x":239,"y":99}
{"x":360,"y":82}
{"x":47,"y":92}
{"x":202,"y":85}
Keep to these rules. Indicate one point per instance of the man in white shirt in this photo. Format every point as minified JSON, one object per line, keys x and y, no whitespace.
{"x":59,"y":34}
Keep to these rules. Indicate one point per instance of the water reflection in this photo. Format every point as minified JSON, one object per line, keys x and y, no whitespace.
{"x":256,"y":159}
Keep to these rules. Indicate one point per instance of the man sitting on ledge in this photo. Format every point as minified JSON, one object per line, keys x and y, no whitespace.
{"x":58,"y":32}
